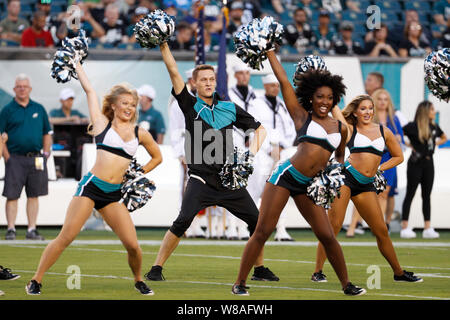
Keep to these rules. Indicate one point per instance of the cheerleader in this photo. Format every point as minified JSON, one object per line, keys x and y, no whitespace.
{"x":117,"y":137}
{"x":318,"y":136}
{"x":366,"y":142}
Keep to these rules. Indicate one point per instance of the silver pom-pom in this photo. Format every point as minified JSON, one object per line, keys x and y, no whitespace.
{"x":326,"y":185}
{"x":73,"y":50}
{"x":310,"y":62}
{"x":136,"y":188}
{"x":437,"y":73}
{"x":154,"y":29}
{"x":237,"y":169}
{"x":380,"y":182}
{"x":253,"y":40}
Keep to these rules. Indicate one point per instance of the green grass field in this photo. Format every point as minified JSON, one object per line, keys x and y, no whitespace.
{"x":205,"y":269}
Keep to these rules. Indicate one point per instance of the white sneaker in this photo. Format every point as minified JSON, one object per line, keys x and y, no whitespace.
{"x":407,"y":233}
{"x":282,"y":235}
{"x":198,"y":232}
{"x":1,"y":293}
{"x":430,"y":234}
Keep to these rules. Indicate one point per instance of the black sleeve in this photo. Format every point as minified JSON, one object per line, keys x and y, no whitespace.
{"x":439,"y":131}
{"x":245,"y":120}
{"x":185,"y":100}
{"x":408,"y":130}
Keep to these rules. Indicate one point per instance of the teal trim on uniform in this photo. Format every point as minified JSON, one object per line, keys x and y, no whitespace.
{"x":105,"y":145}
{"x":298,"y":175}
{"x":358,"y":175}
{"x":103,"y":185}
{"x":106,"y":186}
{"x":287,"y":166}
{"x":217,"y":116}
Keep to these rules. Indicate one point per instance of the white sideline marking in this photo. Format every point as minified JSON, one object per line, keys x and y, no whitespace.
{"x":239,"y":243}
{"x":223,"y":257}
{"x":252,"y":285}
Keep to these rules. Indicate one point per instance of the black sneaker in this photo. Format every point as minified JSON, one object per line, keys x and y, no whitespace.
{"x":33,"y":288}
{"x":352,"y":290}
{"x":319,"y":277}
{"x":10,"y":234}
{"x":143,"y":288}
{"x":264,"y":274}
{"x":5,"y":274}
{"x":240,"y":290}
{"x":33,"y":235}
{"x":407,"y":277}
{"x":155,"y":274}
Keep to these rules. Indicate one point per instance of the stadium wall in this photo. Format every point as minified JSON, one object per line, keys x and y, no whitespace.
{"x":403,"y":79}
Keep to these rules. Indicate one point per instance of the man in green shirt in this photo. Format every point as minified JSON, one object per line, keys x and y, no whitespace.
{"x":66,"y":114}
{"x":26,"y":124}
{"x":12,"y":26}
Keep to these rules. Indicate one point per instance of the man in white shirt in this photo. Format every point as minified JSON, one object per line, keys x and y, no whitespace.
{"x":271,"y":111}
{"x":242,"y":94}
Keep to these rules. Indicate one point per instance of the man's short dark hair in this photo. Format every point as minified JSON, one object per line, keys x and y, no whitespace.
{"x":201,"y":67}
{"x":379,"y":77}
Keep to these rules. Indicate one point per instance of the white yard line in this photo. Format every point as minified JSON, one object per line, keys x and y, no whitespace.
{"x":369,"y":293}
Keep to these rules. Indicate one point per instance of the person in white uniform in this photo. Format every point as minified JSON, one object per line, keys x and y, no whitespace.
{"x":242,"y":94}
{"x":271,"y":111}
{"x":177,"y":131}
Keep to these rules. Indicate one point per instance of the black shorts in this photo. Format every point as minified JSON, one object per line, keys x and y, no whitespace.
{"x":99,"y":191}
{"x":355,"y":186}
{"x":29,"y":172}
{"x":286,"y":176}
{"x":199,"y":195}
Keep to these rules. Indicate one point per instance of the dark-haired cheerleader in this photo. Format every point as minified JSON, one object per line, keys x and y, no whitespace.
{"x":318,"y":136}
{"x":366,"y":143}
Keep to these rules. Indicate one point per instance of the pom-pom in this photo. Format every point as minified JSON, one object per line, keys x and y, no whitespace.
{"x":437,"y":73}
{"x":136,"y":188}
{"x":326,"y":185}
{"x":380,"y":182}
{"x":154,"y":29}
{"x":256,"y":38}
{"x":73,"y":50}
{"x":237,"y":169}
{"x":310,"y":62}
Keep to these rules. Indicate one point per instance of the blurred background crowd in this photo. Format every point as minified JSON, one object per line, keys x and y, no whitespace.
{"x":327,"y":27}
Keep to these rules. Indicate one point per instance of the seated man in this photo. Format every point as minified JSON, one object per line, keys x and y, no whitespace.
{"x":12,"y":26}
{"x":66,"y":114}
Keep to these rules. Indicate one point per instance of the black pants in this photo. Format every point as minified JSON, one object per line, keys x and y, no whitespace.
{"x":199,"y":196}
{"x":420,"y":171}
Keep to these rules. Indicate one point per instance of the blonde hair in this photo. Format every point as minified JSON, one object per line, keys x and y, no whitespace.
{"x":111,"y":97}
{"x":422,"y":119}
{"x":350,"y":108}
{"x":391,"y":111}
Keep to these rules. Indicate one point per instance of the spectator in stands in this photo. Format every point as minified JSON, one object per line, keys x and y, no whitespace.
{"x":424,"y":135}
{"x":36,"y":36}
{"x":252,"y":10}
{"x":151,"y":5}
{"x":66,"y":114}
{"x":444,"y":41}
{"x":150,"y":118}
{"x":93,"y":29}
{"x":114,"y":27}
{"x":98,"y":10}
{"x":324,"y":33}
{"x":139,"y":13}
{"x":184,"y":37}
{"x":380,"y":46}
{"x":412,"y":45}
{"x":354,"y":5}
{"x":334,"y":7}
{"x":235,"y":21}
{"x":374,"y":81}
{"x":12,"y":26}
{"x":309,"y":6}
{"x":52,"y":22}
{"x":26,"y":123}
{"x":441,"y":12}
{"x":397,"y":33}
{"x":299,"y":34}
{"x":345,"y":45}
